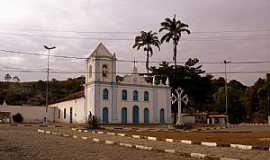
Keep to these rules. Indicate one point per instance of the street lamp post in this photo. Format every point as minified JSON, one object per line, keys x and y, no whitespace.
{"x":45,"y":119}
{"x":226,"y":86}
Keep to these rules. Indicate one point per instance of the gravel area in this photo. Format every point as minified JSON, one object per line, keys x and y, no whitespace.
{"x":24,"y":143}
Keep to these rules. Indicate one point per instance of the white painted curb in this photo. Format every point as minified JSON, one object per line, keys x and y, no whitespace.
{"x":169,"y":150}
{"x":240,"y":146}
{"x":186,"y":141}
{"x":74,"y":136}
{"x":209,"y":144}
{"x":125,"y":145}
{"x":152,"y":138}
{"x":224,"y":158}
{"x":136,"y":136}
{"x":84,"y":138}
{"x":110,"y":133}
{"x":40,"y":131}
{"x":197,"y":155}
{"x":95,"y":140}
{"x":54,"y":133}
{"x":143,"y":147}
{"x":121,"y":134}
{"x":109,"y":142}
{"x":169,"y":140}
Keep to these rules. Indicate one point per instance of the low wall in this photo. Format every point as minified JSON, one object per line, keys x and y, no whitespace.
{"x":188,"y":119}
{"x":29,"y":113}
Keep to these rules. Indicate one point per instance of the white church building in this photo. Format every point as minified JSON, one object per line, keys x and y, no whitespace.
{"x":129,"y":99}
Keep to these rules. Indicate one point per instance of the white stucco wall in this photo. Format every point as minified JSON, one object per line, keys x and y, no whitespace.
{"x":29,"y":113}
{"x":78,"y":113}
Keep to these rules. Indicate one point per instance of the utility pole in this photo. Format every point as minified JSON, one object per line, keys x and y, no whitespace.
{"x":45,"y":119}
{"x":226,"y":86}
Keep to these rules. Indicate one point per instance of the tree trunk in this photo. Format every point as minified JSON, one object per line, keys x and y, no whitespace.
{"x":174,"y":53}
{"x":147,"y":62}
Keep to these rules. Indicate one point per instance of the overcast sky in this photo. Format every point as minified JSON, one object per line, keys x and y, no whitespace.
{"x":26,"y":25}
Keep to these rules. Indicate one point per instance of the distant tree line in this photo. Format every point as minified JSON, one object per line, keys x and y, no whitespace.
{"x":34,"y":93}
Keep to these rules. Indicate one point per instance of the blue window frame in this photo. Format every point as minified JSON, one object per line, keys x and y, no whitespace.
{"x":135,"y":95}
{"x":124,"y":94}
{"x":146,"y":96}
{"x":105,"y":94}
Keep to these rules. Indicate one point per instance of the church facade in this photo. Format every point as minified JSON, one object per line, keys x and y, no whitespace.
{"x":114,"y":99}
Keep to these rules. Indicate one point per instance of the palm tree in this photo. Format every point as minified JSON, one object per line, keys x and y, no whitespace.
{"x":16,"y":79}
{"x":147,"y":40}
{"x":174,"y":29}
{"x":7,"y":77}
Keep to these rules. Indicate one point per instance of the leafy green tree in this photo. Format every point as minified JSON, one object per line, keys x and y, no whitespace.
{"x":174,"y":29}
{"x":236,"y":101}
{"x":188,"y":77}
{"x":147,"y":40}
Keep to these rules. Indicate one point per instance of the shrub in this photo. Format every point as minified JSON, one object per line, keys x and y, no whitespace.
{"x":17,"y":118}
{"x":92,"y":122}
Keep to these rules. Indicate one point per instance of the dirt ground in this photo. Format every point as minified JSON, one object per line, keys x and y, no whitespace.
{"x":24,"y":143}
{"x":251,"y":135}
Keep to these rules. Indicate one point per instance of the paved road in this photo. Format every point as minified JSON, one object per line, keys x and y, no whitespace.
{"x":24,"y":143}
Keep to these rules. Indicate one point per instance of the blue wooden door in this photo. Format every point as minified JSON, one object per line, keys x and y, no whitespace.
{"x":135,"y":113}
{"x":124,"y":115}
{"x":162,"y":118}
{"x":105,"y":115}
{"x":146,"y":115}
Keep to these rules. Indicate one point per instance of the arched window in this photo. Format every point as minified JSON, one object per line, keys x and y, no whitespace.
{"x":135,"y":114}
{"x":146,"y":96}
{"x":124,"y":94}
{"x":135,"y":96}
{"x":146,"y":115}
{"x":105,"y":115}
{"x":105,"y":94}
{"x":90,"y":71}
{"x":124,"y":115}
{"x":104,"y":70}
{"x":162,"y":116}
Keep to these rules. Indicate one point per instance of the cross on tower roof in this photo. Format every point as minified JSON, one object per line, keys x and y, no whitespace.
{"x":135,"y":70}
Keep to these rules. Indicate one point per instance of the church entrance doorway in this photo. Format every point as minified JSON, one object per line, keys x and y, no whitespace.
{"x":135,"y":113}
{"x":146,"y":115}
{"x":124,"y":115}
{"x":162,"y":118}
{"x":105,"y":115}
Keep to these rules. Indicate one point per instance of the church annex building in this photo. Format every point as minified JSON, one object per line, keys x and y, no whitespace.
{"x":129,"y":99}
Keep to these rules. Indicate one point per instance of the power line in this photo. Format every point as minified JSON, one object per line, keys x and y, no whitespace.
{"x":133,"y":32}
{"x":206,"y":39}
{"x":83,"y":72}
{"x":4,"y":51}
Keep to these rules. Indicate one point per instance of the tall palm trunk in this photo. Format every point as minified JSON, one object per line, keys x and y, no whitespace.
{"x":174,"y":52}
{"x":147,"y":62}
